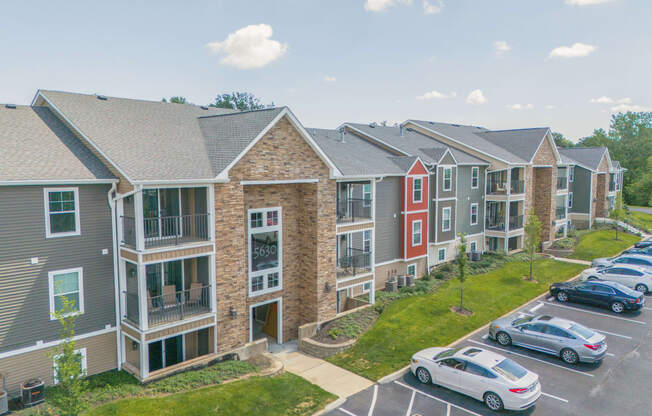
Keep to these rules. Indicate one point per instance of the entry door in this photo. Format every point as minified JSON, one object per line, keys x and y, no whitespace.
{"x":173,"y":350}
{"x":155,"y":355}
{"x":271,"y":321}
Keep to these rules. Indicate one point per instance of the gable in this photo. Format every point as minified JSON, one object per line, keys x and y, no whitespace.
{"x":545,"y":155}
{"x":447,"y":159}
{"x":604,"y":163}
{"x":418,"y":168}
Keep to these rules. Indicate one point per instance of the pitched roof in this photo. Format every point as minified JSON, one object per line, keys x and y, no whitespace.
{"x":355,"y":156}
{"x":414,"y":143}
{"x":523,"y":143}
{"x":435,"y":153}
{"x":36,"y":146}
{"x":147,"y":140}
{"x":587,"y":156}
{"x":403,"y":162}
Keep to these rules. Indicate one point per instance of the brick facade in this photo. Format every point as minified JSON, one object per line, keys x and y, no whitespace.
{"x":541,"y":191}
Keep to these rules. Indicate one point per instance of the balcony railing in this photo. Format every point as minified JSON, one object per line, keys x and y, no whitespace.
{"x":517,"y":186}
{"x":167,"y":231}
{"x":496,"y":187}
{"x":352,"y":209}
{"x":495,"y":224}
{"x":357,"y":262}
{"x":562,"y":182}
{"x":515,"y":222}
{"x":177,"y":306}
{"x":560,"y":213}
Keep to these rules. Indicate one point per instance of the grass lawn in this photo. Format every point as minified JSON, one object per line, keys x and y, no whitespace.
{"x":285,"y":394}
{"x":602,"y":243}
{"x":413,"y":323}
{"x":640,"y":220}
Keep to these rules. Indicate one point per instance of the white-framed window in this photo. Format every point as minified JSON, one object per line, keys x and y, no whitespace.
{"x":474,"y":214}
{"x":570,"y":200}
{"x":446,"y":219}
{"x":61,"y":212}
{"x":474,"y":246}
{"x":366,"y":241}
{"x":416,"y":233}
{"x":417,"y":191}
{"x":81,"y":356}
{"x":475,"y":177}
{"x":441,"y":254}
{"x":265,"y":250}
{"x":366,"y":288}
{"x":67,"y":283}
{"x":366,"y":194}
{"x":571,"y":173}
{"x":412,"y":270}
{"x":448,"y":179}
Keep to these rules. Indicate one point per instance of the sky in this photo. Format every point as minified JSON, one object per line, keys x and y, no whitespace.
{"x":564,"y":64}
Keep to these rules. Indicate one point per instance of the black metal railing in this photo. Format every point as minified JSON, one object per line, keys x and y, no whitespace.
{"x":176,"y":306}
{"x":496,"y":187}
{"x":560,"y":213}
{"x":515,"y":222}
{"x":165,"y":231}
{"x":517,"y":186}
{"x":495,"y":224}
{"x":353,"y":209}
{"x":562,"y":182}
{"x":354,"y":263}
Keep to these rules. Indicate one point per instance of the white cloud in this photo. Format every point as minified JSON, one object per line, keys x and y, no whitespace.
{"x":608,"y":100}
{"x":430,"y":8}
{"x":329,"y":78}
{"x":501,"y":46}
{"x":623,"y":108}
{"x":249,"y":47}
{"x":382,"y":5}
{"x":586,"y":2}
{"x":577,"y":50}
{"x":520,"y":106}
{"x":436,"y":95}
{"x":551,"y":107}
{"x":476,"y":97}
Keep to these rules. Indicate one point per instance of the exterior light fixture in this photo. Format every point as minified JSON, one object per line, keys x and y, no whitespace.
{"x":327,"y":287}
{"x":233,"y":312}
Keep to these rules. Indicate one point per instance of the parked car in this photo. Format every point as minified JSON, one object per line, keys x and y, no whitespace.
{"x":645,"y":243}
{"x":647,"y":251}
{"x":607,"y":294}
{"x":566,"y":339}
{"x":484,"y":375}
{"x":635,"y":259}
{"x":634,"y":277}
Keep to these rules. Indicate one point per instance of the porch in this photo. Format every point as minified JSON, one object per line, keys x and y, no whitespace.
{"x":507,"y":181}
{"x":354,"y":254}
{"x":354,"y":202}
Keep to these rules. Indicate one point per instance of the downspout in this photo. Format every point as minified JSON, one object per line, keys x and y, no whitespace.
{"x":116,"y":276}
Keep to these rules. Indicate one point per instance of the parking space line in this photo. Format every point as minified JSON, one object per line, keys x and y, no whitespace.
{"x":531,"y":358}
{"x":551,"y":298}
{"x":540,"y":305}
{"x":646,"y":308}
{"x":611,"y":333}
{"x":610,"y":354}
{"x":409,"y":410}
{"x":373,"y":400}
{"x":596,"y":313}
{"x":436,"y":398}
{"x":346,"y":411}
{"x":485,"y":336}
{"x":554,"y":397}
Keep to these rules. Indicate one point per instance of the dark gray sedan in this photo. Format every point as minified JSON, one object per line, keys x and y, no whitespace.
{"x":568,"y":340}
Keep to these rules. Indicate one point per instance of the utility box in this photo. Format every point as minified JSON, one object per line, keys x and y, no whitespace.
{"x":33,"y":392}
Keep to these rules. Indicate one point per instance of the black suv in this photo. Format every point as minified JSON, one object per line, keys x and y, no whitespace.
{"x":606,"y":294}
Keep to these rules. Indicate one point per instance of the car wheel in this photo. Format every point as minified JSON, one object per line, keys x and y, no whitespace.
{"x":641,"y":288}
{"x":569,"y":356}
{"x":617,"y":307}
{"x":503,"y":338}
{"x":423,"y":375}
{"x":493,"y":401}
{"x":562,"y":296}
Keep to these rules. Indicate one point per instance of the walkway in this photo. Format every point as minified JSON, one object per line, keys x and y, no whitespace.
{"x":576,"y":261}
{"x":646,"y":210}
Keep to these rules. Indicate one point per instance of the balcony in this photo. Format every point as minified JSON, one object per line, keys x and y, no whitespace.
{"x":562,"y":182}
{"x":495,"y":223}
{"x":354,"y":263}
{"x":167,"y":231}
{"x":496,"y":187}
{"x":517,"y":186}
{"x":515,"y":222}
{"x":560,"y":213}
{"x":351,"y":210}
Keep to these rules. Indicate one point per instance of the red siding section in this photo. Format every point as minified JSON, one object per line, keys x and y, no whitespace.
{"x":420,"y":249}
{"x":412,"y":211}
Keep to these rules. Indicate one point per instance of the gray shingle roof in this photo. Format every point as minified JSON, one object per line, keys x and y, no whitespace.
{"x":413,"y":143}
{"x":435,"y":153}
{"x":523,"y":143}
{"x":587,"y":156}
{"x":148,"y":140}
{"x":355,"y":156}
{"x":403,"y":162}
{"x":36,"y":146}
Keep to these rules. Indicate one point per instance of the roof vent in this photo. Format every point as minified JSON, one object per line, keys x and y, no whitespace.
{"x":342,"y":134}
{"x":12,"y":106}
{"x":203,"y":107}
{"x":400,"y":129}
{"x":102,"y":97}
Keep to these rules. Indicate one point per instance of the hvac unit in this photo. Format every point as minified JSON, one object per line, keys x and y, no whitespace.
{"x":33,"y":392}
{"x":4,"y":404}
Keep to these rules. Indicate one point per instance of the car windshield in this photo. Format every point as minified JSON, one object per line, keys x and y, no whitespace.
{"x":510,"y":370}
{"x":583,"y":331}
{"x":447,"y":353}
{"x":522,"y":320}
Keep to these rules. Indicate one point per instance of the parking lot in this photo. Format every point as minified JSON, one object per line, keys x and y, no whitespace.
{"x":620,"y":384}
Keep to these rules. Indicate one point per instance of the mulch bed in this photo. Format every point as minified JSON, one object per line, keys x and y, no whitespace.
{"x":347,"y":327}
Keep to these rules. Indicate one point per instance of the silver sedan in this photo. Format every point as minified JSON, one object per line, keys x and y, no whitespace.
{"x":568,"y":340}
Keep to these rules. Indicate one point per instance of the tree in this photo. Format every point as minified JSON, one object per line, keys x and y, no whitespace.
{"x":70,"y":397}
{"x":242,"y":101}
{"x":618,"y":213}
{"x":532,"y":237}
{"x":561,"y":141}
{"x":461,"y":265}
{"x":177,"y":100}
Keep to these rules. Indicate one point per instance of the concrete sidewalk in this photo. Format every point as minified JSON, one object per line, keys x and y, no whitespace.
{"x":329,"y":377}
{"x":584,"y":262}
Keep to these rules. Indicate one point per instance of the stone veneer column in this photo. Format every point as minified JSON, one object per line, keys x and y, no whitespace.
{"x":601,"y":196}
{"x":544,"y":199}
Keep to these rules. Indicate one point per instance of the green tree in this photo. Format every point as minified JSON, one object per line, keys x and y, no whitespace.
{"x":532,"y":238}
{"x":176,"y":100}
{"x":462,"y":261}
{"x":70,"y":395}
{"x":242,"y":101}
{"x":618,"y":213}
{"x":561,"y":141}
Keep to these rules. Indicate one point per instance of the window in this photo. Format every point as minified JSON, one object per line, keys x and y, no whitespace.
{"x":474,"y":214}
{"x":416,"y":189}
{"x":366,"y":195}
{"x":556,"y":332}
{"x":474,"y":246}
{"x":571,"y":173}
{"x":448,"y":179}
{"x":476,"y":370}
{"x":66,"y":283}
{"x":453,"y":363}
{"x":416,"y":233}
{"x":366,"y":287}
{"x":366,"y":241}
{"x":475,"y":177}
{"x":265,"y":246}
{"x":603,"y":289}
{"x":412,"y":270}
{"x":61,"y":212}
{"x":441,"y":254}
{"x":81,"y":358}
{"x":570,"y":200}
{"x":446,"y":219}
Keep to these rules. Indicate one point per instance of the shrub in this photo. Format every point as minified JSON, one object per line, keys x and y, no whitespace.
{"x":446,"y":267}
{"x":439,"y":275}
{"x":334,"y":333}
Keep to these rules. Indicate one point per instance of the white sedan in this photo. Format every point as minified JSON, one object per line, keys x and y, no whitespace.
{"x":484,"y":375}
{"x":635,"y":277}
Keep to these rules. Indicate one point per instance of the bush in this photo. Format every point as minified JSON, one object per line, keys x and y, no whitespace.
{"x":565,"y":243}
{"x":334,"y":333}
{"x":446,"y":267}
{"x":439,"y":275}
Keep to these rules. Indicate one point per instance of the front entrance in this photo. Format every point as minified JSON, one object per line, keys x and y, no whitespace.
{"x":266,"y":322}
{"x":165,"y":353}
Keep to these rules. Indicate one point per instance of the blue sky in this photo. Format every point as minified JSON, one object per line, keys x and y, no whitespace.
{"x":346,"y":60}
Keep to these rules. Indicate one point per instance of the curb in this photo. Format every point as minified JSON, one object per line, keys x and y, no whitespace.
{"x":331,"y":406}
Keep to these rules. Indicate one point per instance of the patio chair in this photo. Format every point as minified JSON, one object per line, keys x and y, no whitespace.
{"x":194,"y":293}
{"x":169,"y":296}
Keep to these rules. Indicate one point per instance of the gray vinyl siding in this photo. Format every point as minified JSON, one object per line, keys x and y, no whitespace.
{"x":432,"y":210}
{"x":24,"y":294}
{"x":467,"y":196}
{"x":581,"y":189}
{"x":440,"y":183}
{"x":450,"y":234}
{"x":388,"y":216}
